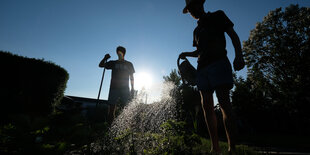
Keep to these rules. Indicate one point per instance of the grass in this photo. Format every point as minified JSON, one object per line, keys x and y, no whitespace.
{"x":172,"y":139}
{"x":54,"y":134}
{"x":62,"y":133}
{"x":205,"y":147}
{"x":284,"y":142}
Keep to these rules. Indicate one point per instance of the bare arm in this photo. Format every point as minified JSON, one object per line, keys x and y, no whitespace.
{"x":190,"y":54}
{"x":239,"y":61}
{"x":102,"y":63}
{"x":235,"y":41}
{"x":132,"y":82}
{"x":104,"y":60}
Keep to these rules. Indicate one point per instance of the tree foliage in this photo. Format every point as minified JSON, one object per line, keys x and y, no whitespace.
{"x":278,"y":60}
{"x":188,"y":103}
{"x":29,"y":85}
{"x":173,"y":77}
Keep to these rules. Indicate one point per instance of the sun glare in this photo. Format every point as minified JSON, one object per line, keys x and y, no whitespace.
{"x":143,"y":80}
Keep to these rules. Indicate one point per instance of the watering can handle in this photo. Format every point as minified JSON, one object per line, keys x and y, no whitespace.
{"x":178,"y":63}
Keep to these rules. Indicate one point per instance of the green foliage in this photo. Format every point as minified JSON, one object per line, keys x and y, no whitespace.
{"x":30,"y":85}
{"x":278,"y":50}
{"x":278,"y":59}
{"x":174,"y":139}
{"x":173,"y":77}
{"x":188,"y":104}
{"x":54,"y":134}
{"x":252,"y":106}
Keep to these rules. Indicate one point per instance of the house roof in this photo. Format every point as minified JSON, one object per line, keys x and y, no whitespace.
{"x":88,"y":100}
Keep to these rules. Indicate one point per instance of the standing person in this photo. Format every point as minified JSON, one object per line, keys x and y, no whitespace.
{"x":122,"y":71}
{"x":214,"y":71}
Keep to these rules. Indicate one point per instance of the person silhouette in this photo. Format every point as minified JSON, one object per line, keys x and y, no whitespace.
{"x":214,"y":71}
{"x":122,"y":71}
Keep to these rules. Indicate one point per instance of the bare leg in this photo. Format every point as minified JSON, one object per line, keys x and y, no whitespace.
{"x":228,"y":118}
{"x":210,"y":118}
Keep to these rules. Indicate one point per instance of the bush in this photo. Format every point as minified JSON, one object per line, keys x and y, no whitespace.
{"x":29,"y":85}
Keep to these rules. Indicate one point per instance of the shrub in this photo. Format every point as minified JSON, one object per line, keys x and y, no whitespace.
{"x":29,"y":85}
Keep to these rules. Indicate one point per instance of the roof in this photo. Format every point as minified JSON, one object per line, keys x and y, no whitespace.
{"x":88,"y":100}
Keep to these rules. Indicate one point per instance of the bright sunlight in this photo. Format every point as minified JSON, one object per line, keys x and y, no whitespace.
{"x":143,"y":79}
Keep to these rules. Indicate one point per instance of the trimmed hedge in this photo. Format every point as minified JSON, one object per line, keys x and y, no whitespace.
{"x":28,"y":85}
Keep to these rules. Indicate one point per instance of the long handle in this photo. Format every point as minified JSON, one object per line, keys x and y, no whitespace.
{"x":100,"y":87}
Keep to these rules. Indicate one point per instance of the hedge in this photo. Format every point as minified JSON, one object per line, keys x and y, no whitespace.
{"x":28,"y":85}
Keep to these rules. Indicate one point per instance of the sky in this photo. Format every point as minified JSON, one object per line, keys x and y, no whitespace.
{"x":76,"y":34}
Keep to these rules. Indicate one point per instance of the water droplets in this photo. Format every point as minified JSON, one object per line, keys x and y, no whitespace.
{"x":136,"y":126}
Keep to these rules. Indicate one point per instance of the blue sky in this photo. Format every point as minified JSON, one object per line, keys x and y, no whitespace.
{"x":76,"y":34}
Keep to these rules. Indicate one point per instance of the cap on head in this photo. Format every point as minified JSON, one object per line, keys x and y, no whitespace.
{"x":188,"y":2}
{"x":121,"y":49}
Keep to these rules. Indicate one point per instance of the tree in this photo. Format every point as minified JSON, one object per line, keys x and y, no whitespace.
{"x":278,"y":59}
{"x":188,"y":103}
{"x":173,"y":77}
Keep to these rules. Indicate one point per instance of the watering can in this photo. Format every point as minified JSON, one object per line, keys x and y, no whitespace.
{"x":188,"y":72}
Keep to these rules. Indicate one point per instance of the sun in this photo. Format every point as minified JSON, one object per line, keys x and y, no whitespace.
{"x":143,"y":80}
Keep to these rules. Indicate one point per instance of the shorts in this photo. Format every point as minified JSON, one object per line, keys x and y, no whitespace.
{"x":119,"y":96}
{"x":215,"y":74}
